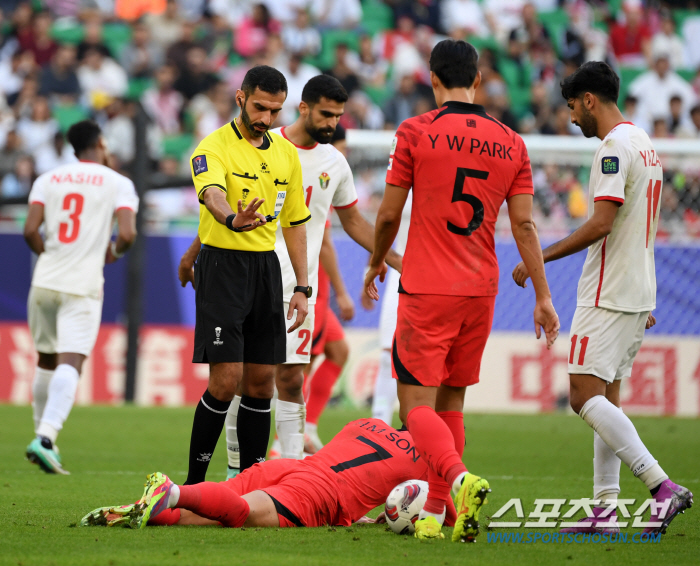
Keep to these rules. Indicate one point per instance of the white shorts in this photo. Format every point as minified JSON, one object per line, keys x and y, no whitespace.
{"x":604,"y":343}
{"x":390,"y":306}
{"x":63,"y":323}
{"x":299,"y":341}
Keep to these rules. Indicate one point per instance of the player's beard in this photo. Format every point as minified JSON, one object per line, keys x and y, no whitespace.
{"x":320,"y":135}
{"x":245,"y":120}
{"x":588,"y":124}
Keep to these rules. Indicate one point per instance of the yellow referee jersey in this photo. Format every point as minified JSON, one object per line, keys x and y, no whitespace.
{"x":227,"y":161}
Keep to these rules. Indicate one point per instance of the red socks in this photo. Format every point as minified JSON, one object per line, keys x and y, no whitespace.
{"x":165,"y":518}
{"x":322,"y":383}
{"x":214,"y":501}
{"x":436,"y":438}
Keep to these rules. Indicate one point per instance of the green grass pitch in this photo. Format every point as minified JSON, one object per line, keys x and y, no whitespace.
{"x":109,"y":451}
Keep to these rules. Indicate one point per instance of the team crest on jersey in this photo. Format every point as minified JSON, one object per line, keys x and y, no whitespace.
{"x":611,"y":165}
{"x":199,"y":164}
{"x":324,"y":179}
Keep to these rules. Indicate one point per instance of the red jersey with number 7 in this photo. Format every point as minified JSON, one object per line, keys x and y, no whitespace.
{"x":462,"y":164}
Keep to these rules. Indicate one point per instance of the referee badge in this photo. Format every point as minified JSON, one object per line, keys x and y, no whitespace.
{"x":199,"y":164}
{"x":324,"y":179}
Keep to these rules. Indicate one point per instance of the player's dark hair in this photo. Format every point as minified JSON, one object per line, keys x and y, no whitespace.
{"x":268,"y":79}
{"x":323,"y":86}
{"x":83,"y":136}
{"x":595,"y":77}
{"x":454,"y":63}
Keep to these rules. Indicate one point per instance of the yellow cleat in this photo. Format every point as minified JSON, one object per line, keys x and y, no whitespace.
{"x":428,"y":528}
{"x":468,"y":502}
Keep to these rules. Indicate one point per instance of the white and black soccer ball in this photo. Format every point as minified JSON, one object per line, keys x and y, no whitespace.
{"x":404,"y":504}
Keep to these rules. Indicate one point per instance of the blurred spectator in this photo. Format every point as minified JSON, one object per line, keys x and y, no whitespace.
{"x":23,"y":101}
{"x":660,"y":128}
{"x":38,"y":130}
{"x":196,"y":76}
{"x":667,"y":41}
{"x":301,"y":37}
{"x":37,"y":39}
{"x":131,"y":10}
{"x":59,"y":80}
{"x":560,"y":122}
{"x":101,"y":77}
{"x":336,"y":14}
{"x":695,"y":119}
{"x":166,"y":27}
{"x":583,"y":41}
{"x":655,"y":88}
{"x":386,"y":42}
{"x":285,"y":11}
{"x":539,"y":113}
{"x":19,"y":182}
{"x":10,"y":153}
{"x":497,"y":104}
{"x":691,"y":40}
{"x":163,"y":103}
{"x":531,"y":35}
{"x":370,"y":69}
{"x":93,"y":38}
{"x":297,"y":74}
{"x":630,"y":40}
{"x":503,"y":16}
{"x":14,"y":71}
{"x":487,"y":68}
{"x":422,"y":13}
{"x":177,"y":52}
{"x":8,"y":42}
{"x":630,"y":110}
{"x":231,"y":11}
{"x":222,"y":112}
{"x":463,"y":18}
{"x":412,"y":58}
{"x":252,"y":32}
{"x":204,"y":102}
{"x":142,"y":56}
{"x":679,"y":124}
{"x":54,"y":155}
{"x":118,"y":131}
{"x":342,"y":70}
{"x":362,"y":113}
{"x":401,"y":106}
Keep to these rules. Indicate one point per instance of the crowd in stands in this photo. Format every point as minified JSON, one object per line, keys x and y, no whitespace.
{"x":63,"y":60}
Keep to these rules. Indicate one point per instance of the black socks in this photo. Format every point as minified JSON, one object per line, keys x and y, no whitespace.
{"x":253,"y":430}
{"x":209,"y":417}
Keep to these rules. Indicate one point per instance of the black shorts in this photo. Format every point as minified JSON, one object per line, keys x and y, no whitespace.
{"x":240,"y":308}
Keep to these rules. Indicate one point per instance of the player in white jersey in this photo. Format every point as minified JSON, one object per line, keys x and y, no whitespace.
{"x":616,"y":294}
{"x":76,"y":203}
{"x":327,"y":182}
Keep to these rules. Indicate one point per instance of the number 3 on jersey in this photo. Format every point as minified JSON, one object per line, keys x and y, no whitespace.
{"x":68,"y":231}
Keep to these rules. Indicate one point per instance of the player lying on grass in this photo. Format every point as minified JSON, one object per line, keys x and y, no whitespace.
{"x":351,"y":475}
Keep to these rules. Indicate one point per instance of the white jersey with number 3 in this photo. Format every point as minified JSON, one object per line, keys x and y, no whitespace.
{"x":619,"y":270}
{"x":79,"y":200}
{"x":327,"y":182}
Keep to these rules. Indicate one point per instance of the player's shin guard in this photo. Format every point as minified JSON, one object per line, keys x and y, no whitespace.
{"x":40,"y":393}
{"x":62,"y":388}
{"x":618,"y":432}
{"x":209,"y":417}
{"x":289,"y":422}
{"x":253,"y":430}
{"x":320,"y":388}
{"x":435,"y":443}
{"x":214,"y":501}
{"x":231,"y":424}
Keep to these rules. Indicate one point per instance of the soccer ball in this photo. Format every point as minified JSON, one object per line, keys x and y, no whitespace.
{"x":404,"y":504}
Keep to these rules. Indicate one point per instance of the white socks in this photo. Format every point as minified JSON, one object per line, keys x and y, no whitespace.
{"x":174,"y":496}
{"x":231,"y":426}
{"x":40,"y":393}
{"x":385,"y":395}
{"x":618,"y":432}
{"x":440,"y":518}
{"x":60,"y":401}
{"x":457,"y":484}
{"x":606,"y":471}
{"x":289,"y":422}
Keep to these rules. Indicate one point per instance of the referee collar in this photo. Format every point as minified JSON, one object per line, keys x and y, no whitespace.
{"x":457,"y":107}
{"x":267,"y":140}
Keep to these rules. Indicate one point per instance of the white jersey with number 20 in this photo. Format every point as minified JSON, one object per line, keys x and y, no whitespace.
{"x":79,"y":200}
{"x":327,"y":181}
{"x":619,"y":270}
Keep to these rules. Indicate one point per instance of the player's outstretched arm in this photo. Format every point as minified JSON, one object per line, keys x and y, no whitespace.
{"x":525,"y":234}
{"x":595,"y":228}
{"x":329,"y":261}
{"x":386,"y":228}
{"x":246,"y":219}
{"x":35,"y":218}
{"x":185,"y":271}
{"x":295,"y":240}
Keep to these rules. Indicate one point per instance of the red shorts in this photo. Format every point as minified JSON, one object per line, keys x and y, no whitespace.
{"x":302,"y":496}
{"x":327,"y":328}
{"x":440,"y":339}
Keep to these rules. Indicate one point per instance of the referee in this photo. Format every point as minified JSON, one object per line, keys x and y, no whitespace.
{"x":240,"y":327}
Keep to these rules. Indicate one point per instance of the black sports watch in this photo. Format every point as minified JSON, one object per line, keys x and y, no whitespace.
{"x":308,"y":291}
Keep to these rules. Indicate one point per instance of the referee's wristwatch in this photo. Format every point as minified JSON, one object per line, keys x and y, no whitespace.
{"x":308,"y":291}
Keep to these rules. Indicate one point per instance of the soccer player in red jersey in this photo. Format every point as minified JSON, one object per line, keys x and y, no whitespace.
{"x":351,"y":475}
{"x":461,"y":164}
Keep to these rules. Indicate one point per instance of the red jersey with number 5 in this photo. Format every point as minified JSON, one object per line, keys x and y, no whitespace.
{"x":462,"y":164}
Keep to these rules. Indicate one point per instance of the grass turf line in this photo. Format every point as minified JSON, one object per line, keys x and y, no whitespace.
{"x":110,"y":450}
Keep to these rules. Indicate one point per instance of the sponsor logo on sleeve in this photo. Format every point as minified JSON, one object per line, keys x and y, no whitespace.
{"x":199,"y":164}
{"x":393,"y":145}
{"x":611,"y":165}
